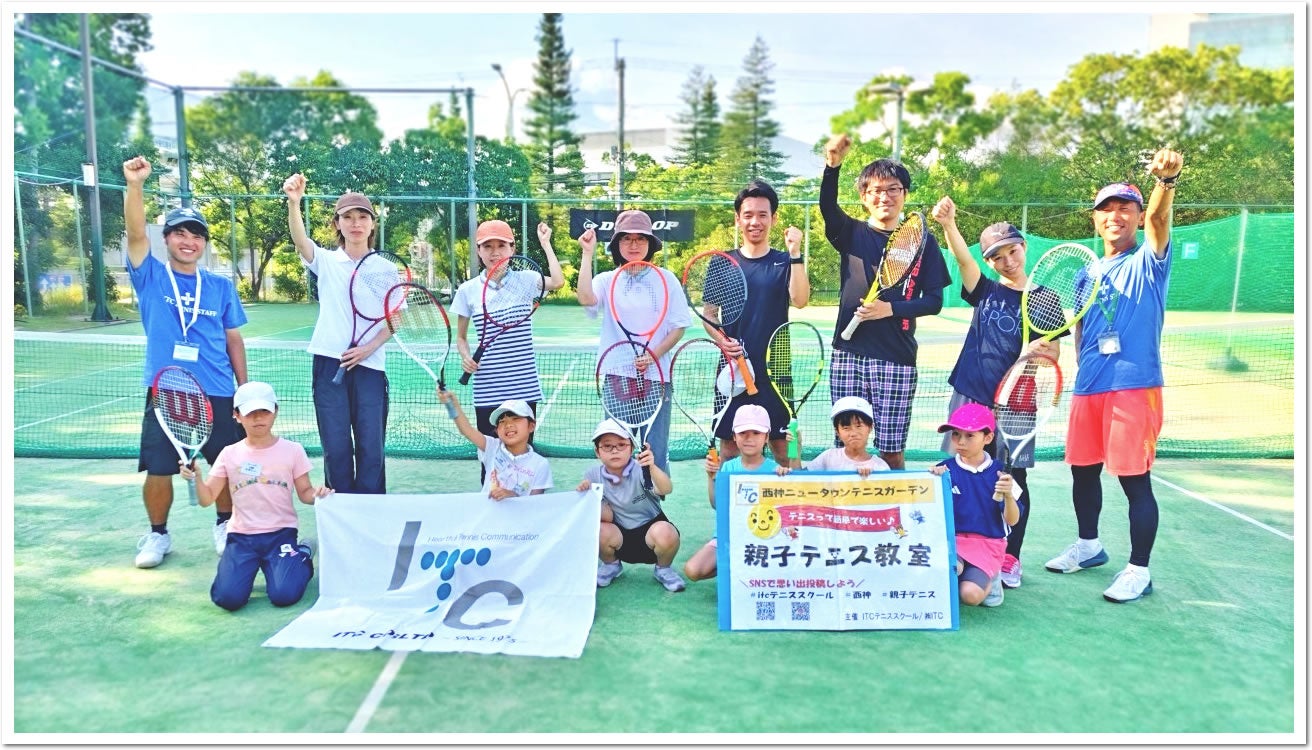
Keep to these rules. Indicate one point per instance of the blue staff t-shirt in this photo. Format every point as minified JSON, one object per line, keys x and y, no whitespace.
{"x":220,"y":310}
{"x":1132,"y":302}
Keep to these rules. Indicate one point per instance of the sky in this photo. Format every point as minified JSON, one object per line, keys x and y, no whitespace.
{"x":821,"y":58}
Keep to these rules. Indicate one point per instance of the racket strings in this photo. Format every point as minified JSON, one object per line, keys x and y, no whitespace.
{"x":419,"y":324}
{"x":716,"y":280}
{"x":795,"y":360}
{"x":1062,"y":281}
{"x":1029,"y":389}
{"x":705,"y":382}
{"x":184,"y":406}
{"x":376,"y":274}
{"x":511,"y":295}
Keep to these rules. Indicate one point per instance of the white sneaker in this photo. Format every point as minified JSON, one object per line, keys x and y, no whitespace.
{"x":220,"y":537}
{"x":669,"y":578}
{"x":1073,"y":559}
{"x":1130,"y":584}
{"x":607,"y":572}
{"x":152,"y":548}
{"x":995,"y":595}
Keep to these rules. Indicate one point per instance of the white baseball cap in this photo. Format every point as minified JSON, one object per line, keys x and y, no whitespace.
{"x":518,"y":407}
{"x":611,"y":427}
{"x":254,"y":395}
{"x":852,"y":403}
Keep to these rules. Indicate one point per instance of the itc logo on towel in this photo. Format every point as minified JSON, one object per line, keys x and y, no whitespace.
{"x":445,"y":562}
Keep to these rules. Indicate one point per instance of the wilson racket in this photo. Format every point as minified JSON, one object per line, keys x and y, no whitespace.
{"x":901,"y":254}
{"x":1064,"y":279}
{"x":639,"y":299}
{"x":422,"y":329}
{"x":795,"y":362}
{"x":629,"y":396}
{"x":184,"y":413}
{"x":374,"y":274}
{"x":512,"y":292}
{"x":1026,"y":399}
{"x":717,"y":291}
{"x":705,"y":382}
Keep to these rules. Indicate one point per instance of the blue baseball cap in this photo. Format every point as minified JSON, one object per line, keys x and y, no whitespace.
{"x":187,"y":215}
{"x":1122,"y":190}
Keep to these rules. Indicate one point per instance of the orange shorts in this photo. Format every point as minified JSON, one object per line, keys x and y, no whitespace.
{"x":1118,"y":429}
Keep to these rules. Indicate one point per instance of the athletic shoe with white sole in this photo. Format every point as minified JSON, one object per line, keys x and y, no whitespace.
{"x":1130,"y":584}
{"x":995,"y":595}
{"x":220,"y":533}
{"x":1073,"y":559}
{"x":669,"y":578}
{"x":152,"y":548}
{"x":607,"y":572}
{"x":1011,"y":572}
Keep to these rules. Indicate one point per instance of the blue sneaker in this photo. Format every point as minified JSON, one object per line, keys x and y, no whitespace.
{"x":1073,"y":560}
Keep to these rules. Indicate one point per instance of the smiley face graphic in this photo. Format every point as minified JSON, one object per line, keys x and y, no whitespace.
{"x":764,"y":521}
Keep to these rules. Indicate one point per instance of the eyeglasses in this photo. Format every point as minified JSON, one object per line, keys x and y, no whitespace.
{"x":612,"y":447}
{"x":892,"y":192}
{"x":633,"y":239}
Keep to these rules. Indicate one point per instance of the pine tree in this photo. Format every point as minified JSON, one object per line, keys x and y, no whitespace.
{"x":553,"y":147}
{"x":699,"y":144}
{"x":748,"y":134}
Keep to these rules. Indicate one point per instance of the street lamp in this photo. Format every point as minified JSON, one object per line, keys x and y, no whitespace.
{"x":895,"y":88}
{"x":510,"y":99}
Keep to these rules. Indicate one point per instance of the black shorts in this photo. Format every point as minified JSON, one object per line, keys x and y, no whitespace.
{"x":765,"y":396}
{"x":634,"y":548}
{"x":158,"y":456}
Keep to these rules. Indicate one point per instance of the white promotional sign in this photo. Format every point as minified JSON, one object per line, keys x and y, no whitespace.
{"x":454,"y":572}
{"x":833,"y":551}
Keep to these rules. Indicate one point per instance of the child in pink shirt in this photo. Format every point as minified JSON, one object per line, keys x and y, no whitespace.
{"x":261,"y":473}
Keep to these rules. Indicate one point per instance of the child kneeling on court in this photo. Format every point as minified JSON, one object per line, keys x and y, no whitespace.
{"x":853,"y":420}
{"x":751,"y":431}
{"x":261,"y":473}
{"x":982,"y":522}
{"x":634,"y":528}
{"x":511,"y":467}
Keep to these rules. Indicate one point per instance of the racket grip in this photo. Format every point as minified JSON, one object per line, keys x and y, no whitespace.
{"x":450,"y":408}
{"x":794,"y":441}
{"x":851,"y":328}
{"x":191,"y":491}
{"x":748,"y":380}
{"x":478,"y":355}
{"x":341,"y":373}
{"x":646,"y":477}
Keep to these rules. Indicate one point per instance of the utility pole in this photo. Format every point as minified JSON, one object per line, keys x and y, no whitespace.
{"x":100,"y":312}
{"x":619,"y":161}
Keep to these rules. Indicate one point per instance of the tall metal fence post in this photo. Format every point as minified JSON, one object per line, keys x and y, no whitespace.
{"x":81,"y":253}
{"x":22,"y":243}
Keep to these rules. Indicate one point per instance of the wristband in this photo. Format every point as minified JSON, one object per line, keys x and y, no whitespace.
{"x":799,"y":260}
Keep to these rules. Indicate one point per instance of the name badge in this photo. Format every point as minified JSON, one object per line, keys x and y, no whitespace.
{"x":1109,"y":342}
{"x":186,"y":352}
{"x":250,"y":469}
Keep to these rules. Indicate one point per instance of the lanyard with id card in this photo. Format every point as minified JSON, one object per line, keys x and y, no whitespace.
{"x":1109,"y":341}
{"x":184,"y":350}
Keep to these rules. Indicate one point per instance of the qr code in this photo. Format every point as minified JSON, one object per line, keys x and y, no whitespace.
{"x":765,"y":610}
{"x":801,"y":611}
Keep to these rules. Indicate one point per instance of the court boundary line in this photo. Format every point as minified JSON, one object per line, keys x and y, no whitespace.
{"x":376,"y":694}
{"x":560,"y":384}
{"x":71,"y":413}
{"x":1227,"y":509}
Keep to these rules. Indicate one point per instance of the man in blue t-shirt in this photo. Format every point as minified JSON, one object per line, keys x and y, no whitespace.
{"x":191,"y":317}
{"x":1116,"y":413}
{"x":879,"y":362}
{"x":775,"y":280}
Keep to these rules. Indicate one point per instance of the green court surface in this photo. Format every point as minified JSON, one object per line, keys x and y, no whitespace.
{"x":100,"y":646}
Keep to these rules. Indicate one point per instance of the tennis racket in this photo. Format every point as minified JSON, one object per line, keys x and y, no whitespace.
{"x":422,"y":329}
{"x":1025,"y":400}
{"x":705,"y":382}
{"x":795,"y":361}
{"x":717,"y":291}
{"x":629,"y":396}
{"x":512,"y":292}
{"x":1064,"y":279}
{"x":184,"y":413}
{"x":639,"y":299}
{"x":374,"y":274}
{"x":901,"y":255}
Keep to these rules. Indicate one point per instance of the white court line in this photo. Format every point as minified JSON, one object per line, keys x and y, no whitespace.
{"x":79,"y":376}
{"x":266,"y":336}
{"x":71,"y":413}
{"x":375,"y":696}
{"x":564,"y":378}
{"x":1219,"y":506}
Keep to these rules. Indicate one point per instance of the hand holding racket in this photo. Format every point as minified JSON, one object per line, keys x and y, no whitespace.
{"x":795,"y":362}
{"x":1025,"y":400}
{"x":512,"y":292}
{"x":631,"y":397}
{"x":705,"y":382}
{"x":1064,"y":278}
{"x":717,"y":291}
{"x":422,"y":329}
{"x":374,"y":275}
{"x":184,"y":413}
{"x":901,"y":254}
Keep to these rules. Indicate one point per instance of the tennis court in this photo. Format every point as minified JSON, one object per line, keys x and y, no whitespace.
{"x":145,"y":651}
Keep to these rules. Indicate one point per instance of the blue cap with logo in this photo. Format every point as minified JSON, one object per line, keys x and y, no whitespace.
{"x":1122,"y":190}
{"x":187,"y":215}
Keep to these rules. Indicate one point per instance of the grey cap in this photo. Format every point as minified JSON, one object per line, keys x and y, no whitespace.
{"x":997,"y":236}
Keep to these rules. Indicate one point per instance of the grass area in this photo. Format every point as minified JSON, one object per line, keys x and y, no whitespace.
{"x":100,"y":646}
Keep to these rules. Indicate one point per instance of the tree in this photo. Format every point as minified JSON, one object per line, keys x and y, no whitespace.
{"x":748,"y":134}
{"x":699,"y":143}
{"x":553,"y":146}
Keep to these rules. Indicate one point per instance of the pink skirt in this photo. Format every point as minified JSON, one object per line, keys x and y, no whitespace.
{"x":985,"y":553}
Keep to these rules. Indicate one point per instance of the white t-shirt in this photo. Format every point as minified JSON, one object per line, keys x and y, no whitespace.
{"x":262,"y":482}
{"x":520,"y":474}
{"x":634,"y":295}
{"x":508,"y":368}
{"x":332,"y":330}
{"x":835,"y":459}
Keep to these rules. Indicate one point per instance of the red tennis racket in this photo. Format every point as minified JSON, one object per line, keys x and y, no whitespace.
{"x":512,"y":292}
{"x":639,"y":299}
{"x":184,"y":413}
{"x":373,"y":276}
{"x":1026,"y":399}
{"x":717,"y":291}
